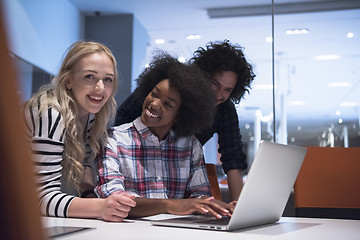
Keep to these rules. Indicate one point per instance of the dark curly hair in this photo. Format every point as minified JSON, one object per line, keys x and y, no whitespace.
{"x":224,"y":56}
{"x":197,"y":109}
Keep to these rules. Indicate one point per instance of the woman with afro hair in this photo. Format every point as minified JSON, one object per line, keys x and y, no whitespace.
{"x":230,"y":75}
{"x":156,"y":157}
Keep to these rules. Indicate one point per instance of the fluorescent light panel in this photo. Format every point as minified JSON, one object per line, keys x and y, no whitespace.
{"x":297,"y":31}
{"x":268,"y":39}
{"x":193,"y":36}
{"x":182,"y":59}
{"x":339,"y":84}
{"x":327,"y":57}
{"x":263,"y":86}
{"x":350,"y":35}
{"x":348,"y":104}
{"x":297,"y":103}
{"x":283,"y":8}
{"x":159,"y":41}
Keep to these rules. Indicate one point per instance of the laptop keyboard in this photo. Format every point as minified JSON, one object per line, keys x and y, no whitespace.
{"x":222,"y":221}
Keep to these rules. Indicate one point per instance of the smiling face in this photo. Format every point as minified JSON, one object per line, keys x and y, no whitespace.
{"x":91,"y":82}
{"x":160,"y":108}
{"x":223,"y":84}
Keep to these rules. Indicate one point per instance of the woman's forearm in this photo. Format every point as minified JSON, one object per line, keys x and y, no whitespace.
{"x":86,"y":207}
{"x":148,"y":207}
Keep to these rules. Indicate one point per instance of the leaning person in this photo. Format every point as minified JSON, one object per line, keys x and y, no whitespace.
{"x":66,"y":122}
{"x":231,"y":75}
{"x":156,"y":157}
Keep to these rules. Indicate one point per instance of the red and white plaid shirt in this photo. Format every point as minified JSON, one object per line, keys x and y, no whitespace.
{"x":135,"y":161}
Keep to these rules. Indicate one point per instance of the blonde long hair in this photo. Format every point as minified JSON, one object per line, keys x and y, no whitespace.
{"x":57,"y":96}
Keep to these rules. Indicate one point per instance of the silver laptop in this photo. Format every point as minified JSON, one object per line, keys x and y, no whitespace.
{"x":264,"y":195}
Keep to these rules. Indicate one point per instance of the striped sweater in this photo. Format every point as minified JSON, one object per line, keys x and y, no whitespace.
{"x":47,"y":141}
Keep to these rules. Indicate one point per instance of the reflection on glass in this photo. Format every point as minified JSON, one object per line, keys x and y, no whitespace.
{"x":317,"y":79}
{"x":31,"y":78}
{"x":317,"y":82}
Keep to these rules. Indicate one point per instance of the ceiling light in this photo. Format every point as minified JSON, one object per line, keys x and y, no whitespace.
{"x":159,"y":41}
{"x":282,"y":8}
{"x":297,"y":31}
{"x":327,"y":57}
{"x":193,"y":36}
{"x":338,"y":113}
{"x":350,"y":35}
{"x":297,"y":103}
{"x":339,"y":84}
{"x":263,"y":86}
{"x":269,"y":39}
{"x":340,"y":120}
{"x":348,"y":104}
{"x":182,"y":59}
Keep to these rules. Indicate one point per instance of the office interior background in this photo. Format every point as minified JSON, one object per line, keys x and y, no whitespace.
{"x":306,"y":55}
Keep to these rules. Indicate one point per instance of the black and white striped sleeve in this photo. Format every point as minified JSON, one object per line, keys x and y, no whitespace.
{"x":47,"y":137}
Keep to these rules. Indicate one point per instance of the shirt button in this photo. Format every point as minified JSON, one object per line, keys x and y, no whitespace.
{"x":158,"y":178}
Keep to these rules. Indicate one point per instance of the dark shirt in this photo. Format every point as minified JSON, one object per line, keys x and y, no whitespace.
{"x":226,"y":125}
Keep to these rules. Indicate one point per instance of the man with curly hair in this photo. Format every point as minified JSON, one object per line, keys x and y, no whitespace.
{"x":156,"y":157}
{"x":231,"y":75}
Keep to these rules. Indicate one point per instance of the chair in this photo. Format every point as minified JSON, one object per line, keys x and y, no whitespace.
{"x":328,"y":184}
{"x":19,"y":210}
{"x":214,"y":185}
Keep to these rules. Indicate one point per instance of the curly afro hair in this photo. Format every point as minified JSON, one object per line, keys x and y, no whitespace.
{"x":197,"y":109}
{"x":224,"y":56}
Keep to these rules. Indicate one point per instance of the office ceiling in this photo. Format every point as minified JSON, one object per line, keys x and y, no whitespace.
{"x":311,"y":106}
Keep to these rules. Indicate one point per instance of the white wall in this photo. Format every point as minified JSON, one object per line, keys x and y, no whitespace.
{"x":40,"y":31}
{"x":140,"y":42}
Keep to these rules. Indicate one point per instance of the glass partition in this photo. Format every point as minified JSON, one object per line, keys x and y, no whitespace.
{"x":314,"y":65}
{"x":31,"y":78}
{"x":254,"y":33}
{"x":316,"y":82}
{"x":317,"y":59}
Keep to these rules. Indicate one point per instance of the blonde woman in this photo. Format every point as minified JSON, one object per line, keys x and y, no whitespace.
{"x":67,"y":122}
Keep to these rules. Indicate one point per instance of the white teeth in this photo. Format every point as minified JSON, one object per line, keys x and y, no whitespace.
{"x":151,"y":114}
{"x":96,"y":98}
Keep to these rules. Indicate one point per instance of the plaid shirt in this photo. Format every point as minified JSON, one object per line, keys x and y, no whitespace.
{"x":135,"y":161}
{"x":226,"y":125}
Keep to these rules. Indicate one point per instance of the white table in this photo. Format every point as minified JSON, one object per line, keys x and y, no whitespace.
{"x":286,"y":228}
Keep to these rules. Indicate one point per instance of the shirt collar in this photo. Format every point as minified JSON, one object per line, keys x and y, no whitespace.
{"x":91,"y":121}
{"x":145,"y":132}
